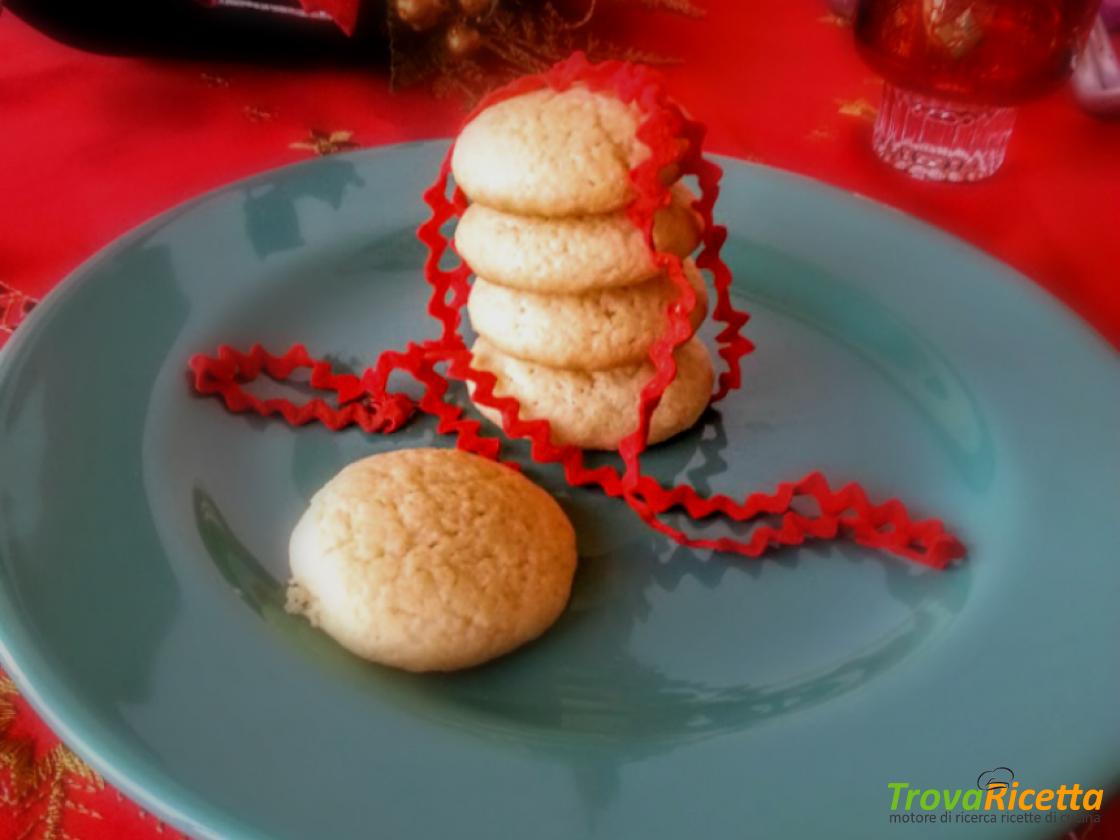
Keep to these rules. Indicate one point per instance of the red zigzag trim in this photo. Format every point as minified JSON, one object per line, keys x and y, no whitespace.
{"x":364,"y":400}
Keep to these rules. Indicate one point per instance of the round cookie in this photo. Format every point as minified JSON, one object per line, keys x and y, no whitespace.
{"x":597,"y":409}
{"x":590,"y":331}
{"x":572,"y":254}
{"x":431,"y":559}
{"x":550,"y":153}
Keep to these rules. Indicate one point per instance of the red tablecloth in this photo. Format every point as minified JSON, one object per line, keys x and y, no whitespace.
{"x":92,"y":146}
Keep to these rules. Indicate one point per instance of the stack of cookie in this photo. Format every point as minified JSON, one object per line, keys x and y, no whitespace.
{"x":567,"y":300}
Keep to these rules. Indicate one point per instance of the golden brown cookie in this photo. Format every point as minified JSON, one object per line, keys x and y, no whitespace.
{"x":589,"y":331}
{"x":575,"y":253}
{"x":431,"y":559}
{"x":597,"y":409}
{"x":550,"y":153}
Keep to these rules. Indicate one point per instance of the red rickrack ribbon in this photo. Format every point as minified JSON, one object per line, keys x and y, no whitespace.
{"x":358,"y":401}
{"x":674,"y":140}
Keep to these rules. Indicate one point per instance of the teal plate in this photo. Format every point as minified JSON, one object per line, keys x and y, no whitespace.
{"x":143,"y":537}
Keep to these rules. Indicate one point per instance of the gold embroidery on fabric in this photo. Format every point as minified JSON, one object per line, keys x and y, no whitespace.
{"x":40,"y":787}
{"x":322,"y":143}
{"x":858,"y":108}
{"x":258,"y":113}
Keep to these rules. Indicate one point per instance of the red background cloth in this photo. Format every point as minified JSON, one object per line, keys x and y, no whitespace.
{"x":93,"y":146}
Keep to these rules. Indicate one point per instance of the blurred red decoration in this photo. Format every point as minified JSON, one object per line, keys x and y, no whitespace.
{"x":342,"y":12}
{"x":996,"y":52}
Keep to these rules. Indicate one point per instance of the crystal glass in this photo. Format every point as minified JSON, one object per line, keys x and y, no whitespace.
{"x":956,"y":69}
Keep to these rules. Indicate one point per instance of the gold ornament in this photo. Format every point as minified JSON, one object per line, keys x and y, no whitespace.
{"x":475,"y":8}
{"x":323,"y":143}
{"x":462,"y":40}
{"x":463,"y":48}
{"x":40,"y":788}
{"x":420,"y":15}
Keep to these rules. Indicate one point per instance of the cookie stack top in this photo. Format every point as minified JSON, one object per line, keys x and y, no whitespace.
{"x":548,"y":175}
{"x":551,"y":153}
{"x":567,"y":299}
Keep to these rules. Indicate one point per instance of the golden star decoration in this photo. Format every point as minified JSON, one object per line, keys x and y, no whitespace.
{"x":258,"y":113}
{"x":323,"y":143}
{"x":14,"y":307}
{"x":857,"y":108}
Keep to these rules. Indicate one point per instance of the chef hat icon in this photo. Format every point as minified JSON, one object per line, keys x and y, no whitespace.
{"x":999,"y":777}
